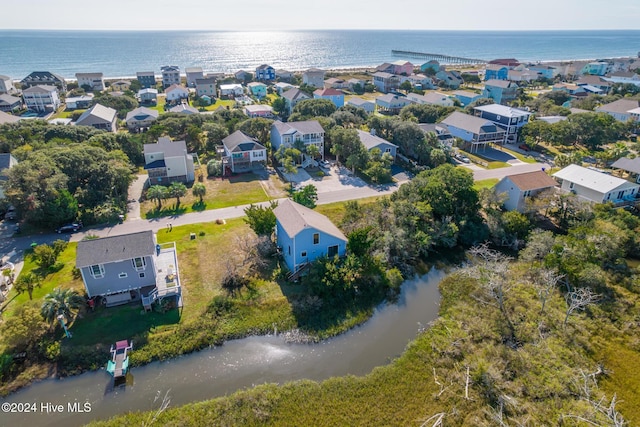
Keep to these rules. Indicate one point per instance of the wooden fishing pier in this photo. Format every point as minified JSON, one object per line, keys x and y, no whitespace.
{"x":443,"y":59}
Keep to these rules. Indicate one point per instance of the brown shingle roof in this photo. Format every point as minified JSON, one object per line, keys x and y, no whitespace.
{"x":532,"y":180}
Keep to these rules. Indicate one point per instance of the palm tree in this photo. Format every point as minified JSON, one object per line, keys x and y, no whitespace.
{"x":312,"y":151}
{"x":177,"y":190}
{"x":61,"y":302}
{"x":27,"y":283}
{"x":158,"y":193}
{"x":199,"y":190}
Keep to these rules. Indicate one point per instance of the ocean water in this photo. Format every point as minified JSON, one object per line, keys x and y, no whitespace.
{"x":123,"y":53}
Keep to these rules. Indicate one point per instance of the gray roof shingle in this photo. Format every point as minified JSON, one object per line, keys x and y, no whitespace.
{"x":239,"y":141}
{"x":294,"y":218}
{"x":115,"y":248}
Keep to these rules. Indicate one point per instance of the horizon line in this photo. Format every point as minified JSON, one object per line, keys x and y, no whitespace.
{"x":318,"y":29}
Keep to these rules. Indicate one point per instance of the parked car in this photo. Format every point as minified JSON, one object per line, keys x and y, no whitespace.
{"x":70,"y":228}
{"x":463,"y":159}
{"x":524,"y":147}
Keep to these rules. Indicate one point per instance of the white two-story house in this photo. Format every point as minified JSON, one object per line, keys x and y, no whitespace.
{"x":167,"y":161}
{"x":308,"y":132}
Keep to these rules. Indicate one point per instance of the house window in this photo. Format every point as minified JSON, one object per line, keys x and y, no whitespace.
{"x":527,"y":193}
{"x":289,"y":250}
{"x":97,"y":271}
{"x":498,"y":117}
{"x":620,"y":194}
{"x":303,"y":254}
{"x":316,"y":238}
{"x":571,"y":185}
{"x":139,"y":263}
{"x":122,"y":276}
{"x":332,"y":251}
{"x":141,"y":275}
{"x":387,"y":150}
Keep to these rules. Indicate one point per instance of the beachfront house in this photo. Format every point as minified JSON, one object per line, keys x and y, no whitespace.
{"x":79,"y":102}
{"x":510,"y":119}
{"x":501,"y":91}
{"x":10,"y":103}
{"x":284,"y":75}
{"x":475,"y":131}
{"x":517,"y":188}
{"x":242,"y":153}
{"x":6,"y":85}
{"x":41,"y":98}
{"x":292,"y":97}
{"x":391,"y":104}
{"x":176,"y":93}
{"x":141,"y":118}
{"x":366,"y":105}
{"x":313,"y":77}
{"x":170,"y":75}
{"x":257,"y":89}
{"x":303,"y":235}
{"x":167,"y":161}
{"x":622,"y":110}
{"x":308,"y":132}
{"x":44,"y":78}
{"x":193,"y":74}
{"x":147,"y":79}
{"x":91,"y":81}
{"x":129,"y":267}
{"x":148,"y":96}
{"x":99,"y":117}
{"x":333,"y":95}
{"x":120,"y":86}
{"x":546,"y":71}
{"x":596,"y":186}
{"x":371,"y":141}
{"x":206,"y":87}
{"x":265,"y":73}
{"x":386,"y":82}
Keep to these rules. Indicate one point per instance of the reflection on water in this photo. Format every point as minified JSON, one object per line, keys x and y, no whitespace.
{"x":238,"y":364}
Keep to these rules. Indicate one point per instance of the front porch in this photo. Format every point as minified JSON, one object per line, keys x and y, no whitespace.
{"x":167,"y":277}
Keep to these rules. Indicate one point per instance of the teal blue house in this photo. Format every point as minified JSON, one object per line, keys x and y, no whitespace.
{"x":303,"y":235}
{"x":496,"y":72}
{"x":432,"y":65}
{"x":257,"y":89}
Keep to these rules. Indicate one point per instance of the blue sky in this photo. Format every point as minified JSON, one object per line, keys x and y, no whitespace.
{"x":261,"y":15}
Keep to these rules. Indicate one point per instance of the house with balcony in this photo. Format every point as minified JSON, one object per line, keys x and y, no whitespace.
{"x":6,"y":85}
{"x":465,"y":97}
{"x":511,"y":120}
{"x":167,"y":161}
{"x":95,"y":81}
{"x":596,"y":187}
{"x":475,"y":131}
{"x":292,"y":97}
{"x":44,"y":78}
{"x":231,"y":91}
{"x":313,"y":77}
{"x":386,"y":82}
{"x":41,"y":98}
{"x":308,"y":132}
{"x":99,"y":117}
{"x":193,"y":74}
{"x":451,"y":79}
{"x":371,"y":141}
{"x":391,"y":104}
{"x":333,"y":95}
{"x":501,"y":91}
{"x":206,"y":87}
{"x":546,"y":71}
{"x":496,"y":72}
{"x":129,"y":267}
{"x":176,"y":93}
{"x":79,"y":102}
{"x":170,"y":75}
{"x":518,"y":188}
{"x":596,"y":68}
{"x":242,"y":153}
{"x":148,"y":96}
{"x":265,"y":73}
{"x":147,"y":79}
{"x":257,"y":89}
{"x":303,"y":235}
{"x":10,"y":103}
{"x":141,"y":118}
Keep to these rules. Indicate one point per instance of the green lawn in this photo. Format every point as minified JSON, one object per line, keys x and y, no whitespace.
{"x":226,"y":103}
{"x":485,"y":183}
{"x":221,"y":193}
{"x":521,"y":157}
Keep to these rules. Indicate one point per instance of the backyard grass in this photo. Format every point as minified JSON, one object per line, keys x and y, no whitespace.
{"x":485,"y":183}
{"x":159,"y":107}
{"x":484,"y":162}
{"x":226,"y":103}
{"x":221,"y":193}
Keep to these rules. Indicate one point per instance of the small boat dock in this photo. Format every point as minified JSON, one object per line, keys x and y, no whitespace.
{"x":119,"y":363}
